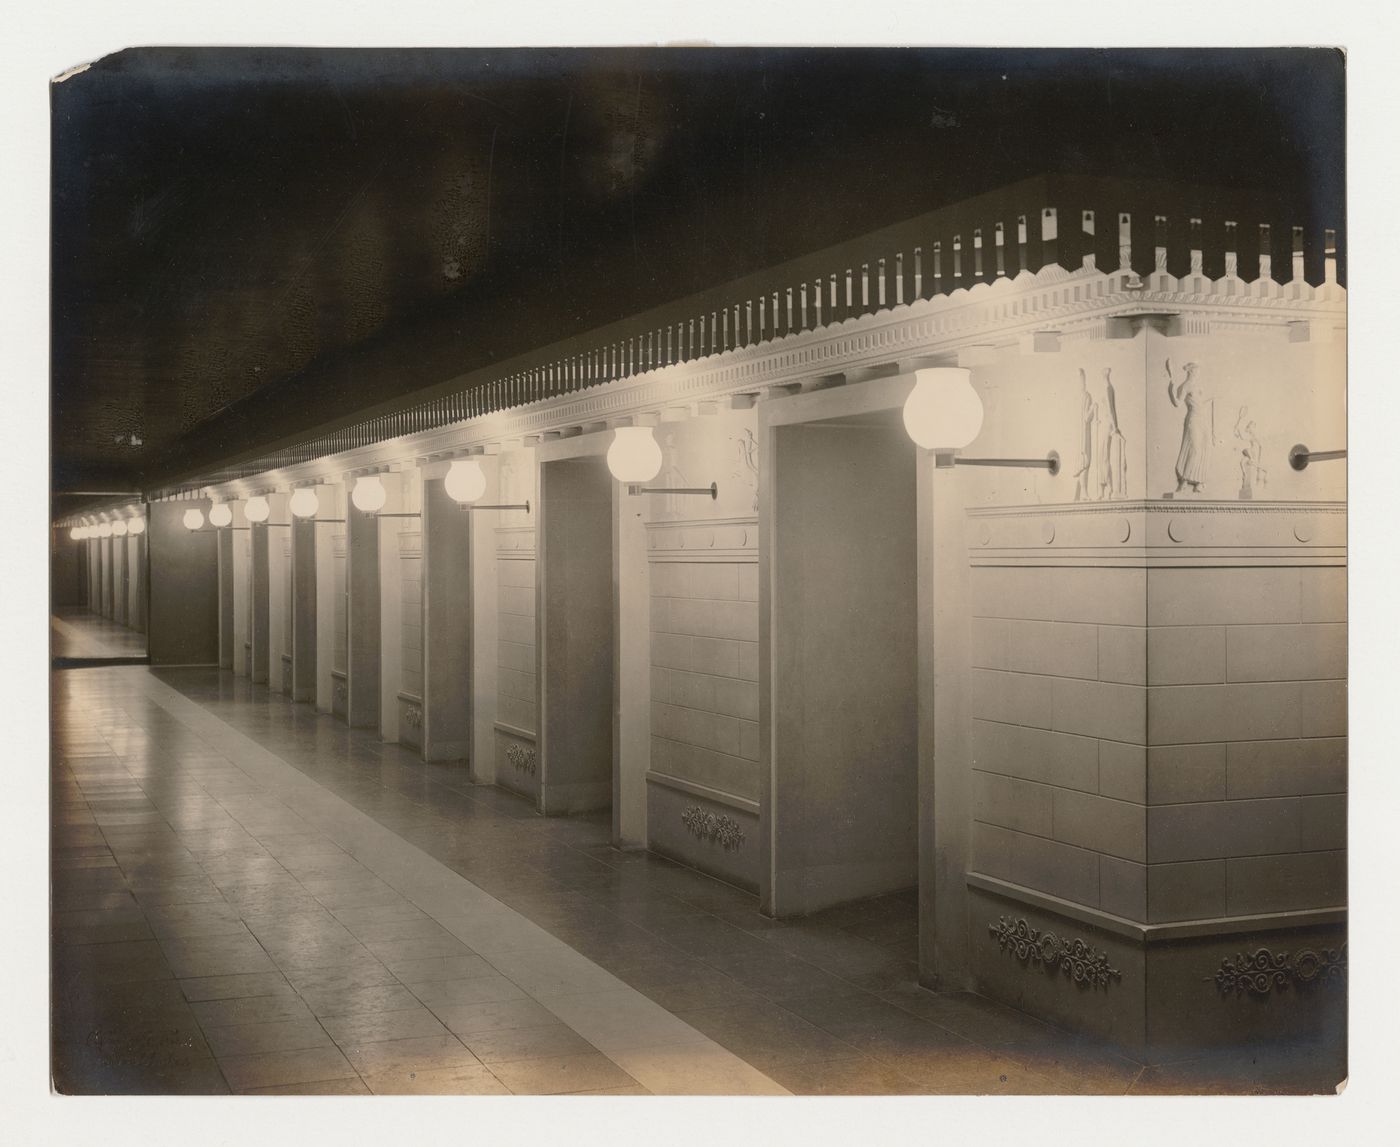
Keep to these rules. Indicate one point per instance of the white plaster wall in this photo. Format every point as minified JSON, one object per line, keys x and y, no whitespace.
{"x":330,"y":574}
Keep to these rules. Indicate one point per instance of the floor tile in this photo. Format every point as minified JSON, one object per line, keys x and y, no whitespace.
{"x":250,"y":1038}
{"x":357,"y":1001}
{"x":250,"y":1010}
{"x":443,"y":968}
{"x":307,"y":1065}
{"x":695,"y":1070}
{"x":767,"y":1034}
{"x":372,"y":1027}
{"x":562,"y":945}
{"x":236,"y":986}
{"x":527,"y":1043}
{"x":437,"y":1081}
{"x":562,"y":1074}
{"x":419,"y":1053}
{"x":477,"y":990}
{"x":468,"y":1019}
{"x":322,"y":1087}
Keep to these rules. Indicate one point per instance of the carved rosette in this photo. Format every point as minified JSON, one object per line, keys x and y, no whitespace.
{"x":342,"y":693}
{"x":413,"y":715}
{"x":1070,"y":955}
{"x":721,"y":829}
{"x":1264,"y":971}
{"x":521,"y":758}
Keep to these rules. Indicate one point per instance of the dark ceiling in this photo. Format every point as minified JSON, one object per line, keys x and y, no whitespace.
{"x":248,"y":243}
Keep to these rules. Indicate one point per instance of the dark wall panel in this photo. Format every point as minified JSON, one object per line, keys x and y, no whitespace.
{"x":66,"y":558}
{"x":184,"y":601}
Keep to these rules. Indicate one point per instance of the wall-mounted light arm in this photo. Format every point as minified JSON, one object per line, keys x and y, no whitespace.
{"x":525,"y":506}
{"x":1300,"y":457}
{"x":943,"y":413}
{"x":711,"y":491}
{"x":1051,"y":462}
{"x":634,"y":459}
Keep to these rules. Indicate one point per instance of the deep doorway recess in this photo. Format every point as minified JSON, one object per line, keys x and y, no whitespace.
{"x":577,"y":635}
{"x":844,"y":591}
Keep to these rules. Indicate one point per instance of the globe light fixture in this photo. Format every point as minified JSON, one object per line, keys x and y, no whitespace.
{"x":634,"y":457}
{"x":193,"y":519}
{"x":119,"y":528}
{"x":104,"y":530}
{"x":220,"y":514}
{"x":304,"y":502}
{"x":255,"y":509}
{"x":369,"y":494}
{"x":136,"y":527}
{"x":465,"y":481}
{"x":77,"y":533}
{"x":943,"y":411}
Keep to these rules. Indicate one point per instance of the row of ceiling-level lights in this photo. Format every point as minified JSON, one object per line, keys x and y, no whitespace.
{"x":114,"y":529}
{"x":634,"y":457}
{"x":943,"y":414}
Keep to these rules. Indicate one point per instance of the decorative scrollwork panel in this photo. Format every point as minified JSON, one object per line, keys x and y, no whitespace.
{"x":1264,"y":971}
{"x":721,"y":829}
{"x":521,"y":758}
{"x":1070,"y":955}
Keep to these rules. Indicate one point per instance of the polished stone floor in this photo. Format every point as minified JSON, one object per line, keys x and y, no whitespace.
{"x":249,"y":897}
{"x":79,"y":634}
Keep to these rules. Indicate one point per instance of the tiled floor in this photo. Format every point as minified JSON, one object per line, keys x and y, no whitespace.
{"x":78,"y":634}
{"x":250,"y":897}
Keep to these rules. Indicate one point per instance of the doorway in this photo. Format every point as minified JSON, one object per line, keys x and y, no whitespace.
{"x":576,"y":626}
{"x":841,"y":675}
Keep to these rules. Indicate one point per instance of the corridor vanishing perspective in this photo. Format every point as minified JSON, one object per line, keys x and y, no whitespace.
{"x":249,"y":897}
{"x":507,"y":641}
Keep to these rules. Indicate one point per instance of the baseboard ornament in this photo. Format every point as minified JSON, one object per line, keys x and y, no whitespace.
{"x":723,"y":830}
{"x":1264,"y":971}
{"x":521,"y":758}
{"x":1072,"y":956}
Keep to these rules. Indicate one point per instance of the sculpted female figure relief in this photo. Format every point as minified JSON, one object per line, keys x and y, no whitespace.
{"x":1198,"y":429}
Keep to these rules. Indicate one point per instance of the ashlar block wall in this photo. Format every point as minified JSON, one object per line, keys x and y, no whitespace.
{"x":1059,"y":702}
{"x":703,"y":784}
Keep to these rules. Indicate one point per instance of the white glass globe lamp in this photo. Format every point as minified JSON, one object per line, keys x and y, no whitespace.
{"x":369,"y":494}
{"x":943,"y":412}
{"x":304,"y":502}
{"x":634,"y":457}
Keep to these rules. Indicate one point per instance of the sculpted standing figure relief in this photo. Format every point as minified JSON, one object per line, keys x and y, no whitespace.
{"x":1250,"y":449}
{"x":1114,"y":480}
{"x":1103,"y":465}
{"x":1084,"y":479}
{"x":1197,"y":430}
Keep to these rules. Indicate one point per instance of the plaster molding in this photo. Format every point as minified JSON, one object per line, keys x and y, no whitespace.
{"x":515,"y":542}
{"x":703,"y":540}
{"x":705,"y":792}
{"x":996,"y":313}
{"x":1201,"y":929}
{"x":1164,"y":533}
{"x":410,"y":544}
